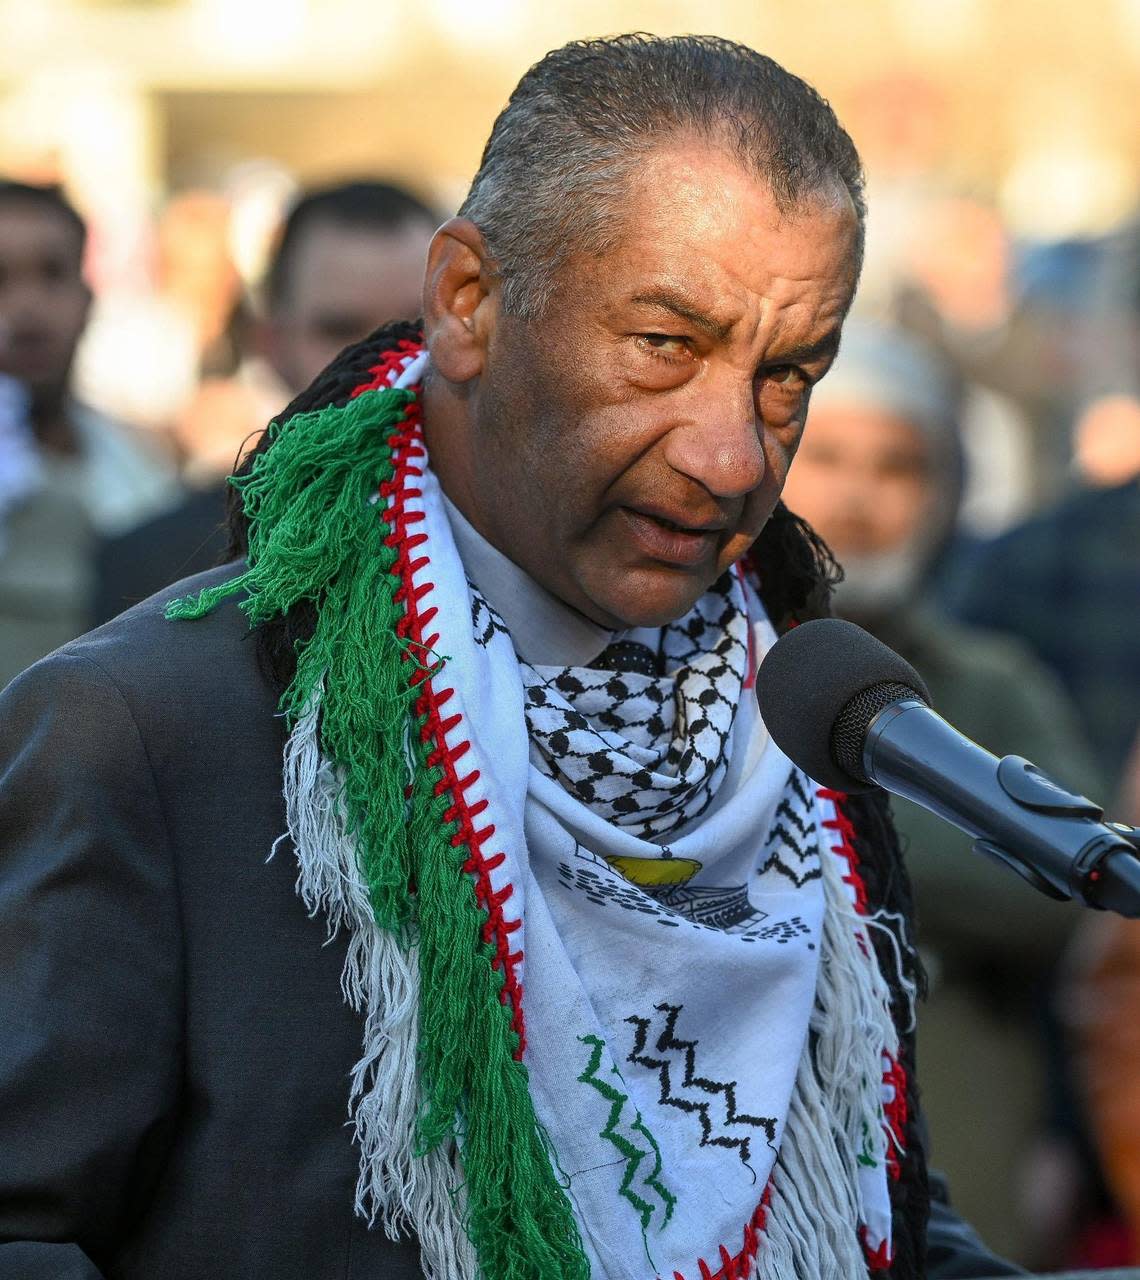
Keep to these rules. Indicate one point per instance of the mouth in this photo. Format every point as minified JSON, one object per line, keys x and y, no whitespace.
{"x":669,"y":540}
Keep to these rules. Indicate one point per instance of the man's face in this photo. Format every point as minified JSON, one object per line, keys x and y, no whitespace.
{"x":342,"y":283}
{"x":631,"y":443}
{"x":862,"y":480}
{"x":43,"y":298}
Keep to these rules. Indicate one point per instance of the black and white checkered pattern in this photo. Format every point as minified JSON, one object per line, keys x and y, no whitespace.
{"x":647,"y":752}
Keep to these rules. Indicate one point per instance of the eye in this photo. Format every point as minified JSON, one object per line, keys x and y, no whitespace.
{"x":781,"y":395}
{"x":665,"y":346}
{"x":788,"y":377}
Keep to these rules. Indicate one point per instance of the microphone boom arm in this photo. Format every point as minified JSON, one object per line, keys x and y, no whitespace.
{"x":1058,"y":843}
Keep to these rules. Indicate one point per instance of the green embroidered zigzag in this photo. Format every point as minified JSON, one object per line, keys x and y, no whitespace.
{"x":633,"y":1155}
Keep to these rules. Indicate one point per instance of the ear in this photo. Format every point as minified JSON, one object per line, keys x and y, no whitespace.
{"x":460,"y":300}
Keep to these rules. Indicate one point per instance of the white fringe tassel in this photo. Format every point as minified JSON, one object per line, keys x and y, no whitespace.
{"x":816,"y":1194}
{"x":380,"y":980}
{"x":835,"y":1111}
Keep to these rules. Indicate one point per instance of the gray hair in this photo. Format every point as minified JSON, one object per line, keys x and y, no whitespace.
{"x":557,"y":164}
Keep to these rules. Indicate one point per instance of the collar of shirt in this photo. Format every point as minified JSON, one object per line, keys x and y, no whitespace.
{"x":545,"y":631}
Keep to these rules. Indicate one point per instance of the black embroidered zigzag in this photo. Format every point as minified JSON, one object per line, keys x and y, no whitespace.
{"x":785,"y":810}
{"x":780,"y":832}
{"x":667,"y":1043}
{"x":795,"y":781}
{"x":775,"y":862}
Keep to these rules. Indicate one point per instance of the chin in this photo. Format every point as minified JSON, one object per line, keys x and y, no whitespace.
{"x":650,"y":599}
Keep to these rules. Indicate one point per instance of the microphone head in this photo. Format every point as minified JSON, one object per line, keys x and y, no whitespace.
{"x":820,"y":686}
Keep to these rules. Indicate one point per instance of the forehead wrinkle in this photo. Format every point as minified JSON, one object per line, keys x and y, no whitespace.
{"x":680,"y":304}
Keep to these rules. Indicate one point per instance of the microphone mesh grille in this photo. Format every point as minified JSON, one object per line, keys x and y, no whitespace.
{"x":849,"y":731}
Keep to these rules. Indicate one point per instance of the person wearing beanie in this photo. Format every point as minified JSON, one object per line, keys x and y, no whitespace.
{"x":880,"y":476}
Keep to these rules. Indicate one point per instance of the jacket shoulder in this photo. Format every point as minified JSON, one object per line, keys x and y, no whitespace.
{"x":171,"y":674}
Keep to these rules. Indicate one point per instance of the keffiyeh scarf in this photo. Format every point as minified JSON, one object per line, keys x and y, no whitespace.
{"x":622,"y":1014}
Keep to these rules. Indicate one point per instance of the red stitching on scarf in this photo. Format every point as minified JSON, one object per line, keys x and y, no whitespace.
{"x":412,"y":625}
{"x":841,"y":823}
{"x":391,"y":363}
{"x":879,"y":1259}
{"x":894,"y":1112}
{"x":753,"y":665}
{"x":737,"y":1266}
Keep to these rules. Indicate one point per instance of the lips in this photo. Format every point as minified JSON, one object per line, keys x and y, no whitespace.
{"x":669,"y":540}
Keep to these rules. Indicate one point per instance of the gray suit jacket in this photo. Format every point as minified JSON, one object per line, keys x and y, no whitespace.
{"x":174,"y":1050}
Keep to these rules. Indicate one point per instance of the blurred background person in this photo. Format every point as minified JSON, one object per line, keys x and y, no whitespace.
{"x":879,"y":474}
{"x":72,"y":473}
{"x":1067,"y":580}
{"x":1099,"y":1006}
{"x":1067,"y":583}
{"x":348,"y":258}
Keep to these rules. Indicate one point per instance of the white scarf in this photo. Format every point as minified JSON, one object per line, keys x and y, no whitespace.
{"x":706,"y":1027}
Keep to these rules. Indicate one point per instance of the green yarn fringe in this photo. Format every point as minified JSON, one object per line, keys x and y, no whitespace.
{"x":316,"y":536}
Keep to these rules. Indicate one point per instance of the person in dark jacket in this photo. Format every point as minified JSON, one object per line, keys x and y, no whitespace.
{"x":880,"y":477}
{"x":615,"y":1005}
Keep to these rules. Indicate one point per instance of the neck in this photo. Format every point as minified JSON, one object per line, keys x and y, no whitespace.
{"x":449,"y":437}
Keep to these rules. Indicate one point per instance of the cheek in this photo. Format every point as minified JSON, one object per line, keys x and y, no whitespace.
{"x":780,"y":447}
{"x":69,"y":314}
{"x":809,"y":490}
{"x":913,"y":503}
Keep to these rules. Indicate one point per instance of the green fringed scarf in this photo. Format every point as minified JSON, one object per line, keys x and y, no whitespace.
{"x":317,"y":534}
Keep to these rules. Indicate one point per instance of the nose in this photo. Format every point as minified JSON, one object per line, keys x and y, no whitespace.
{"x":719,"y":443}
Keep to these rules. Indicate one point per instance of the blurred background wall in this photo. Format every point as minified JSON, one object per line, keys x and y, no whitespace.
{"x":182,"y":127}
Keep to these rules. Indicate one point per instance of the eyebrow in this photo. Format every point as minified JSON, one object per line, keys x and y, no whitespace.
{"x":669,"y":300}
{"x":828,"y":345}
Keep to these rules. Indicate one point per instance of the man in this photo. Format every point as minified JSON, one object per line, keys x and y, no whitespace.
{"x":349,"y":257}
{"x":622,"y":1014}
{"x":67,"y":474}
{"x":879,"y":477}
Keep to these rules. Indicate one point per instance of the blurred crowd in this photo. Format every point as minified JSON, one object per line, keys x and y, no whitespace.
{"x":973,"y":460}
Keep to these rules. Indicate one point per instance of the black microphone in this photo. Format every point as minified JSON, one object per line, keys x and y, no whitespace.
{"x":852,"y":714}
